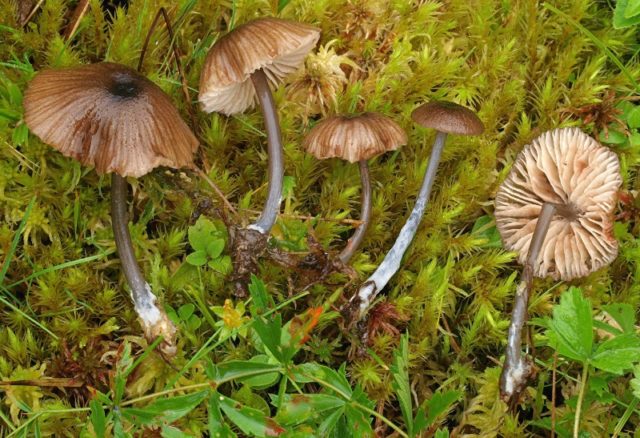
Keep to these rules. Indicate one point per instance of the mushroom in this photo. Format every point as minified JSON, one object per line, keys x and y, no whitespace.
{"x":446,"y":118}
{"x":555,"y":209}
{"x":237,"y":70}
{"x":355,"y":138}
{"x":108,"y":116}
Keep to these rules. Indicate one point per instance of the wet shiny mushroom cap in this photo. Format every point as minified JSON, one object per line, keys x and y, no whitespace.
{"x":277,"y":46}
{"x":448,"y":117}
{"x":574,"y":172}
{"x":108,"y":116}
{"x":354,"y":138}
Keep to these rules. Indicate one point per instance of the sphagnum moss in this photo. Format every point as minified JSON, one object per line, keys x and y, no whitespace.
{"x":524,"y":68}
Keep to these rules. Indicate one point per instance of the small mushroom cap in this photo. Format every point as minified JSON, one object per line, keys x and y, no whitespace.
{"x":108,"y":116}
{"x":448,"y":117}
{"x":354,"y":138}
{"x":277,"y":46}
{"x":567,"y":168}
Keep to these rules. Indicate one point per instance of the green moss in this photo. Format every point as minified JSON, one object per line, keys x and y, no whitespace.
{"x":524,"y":68}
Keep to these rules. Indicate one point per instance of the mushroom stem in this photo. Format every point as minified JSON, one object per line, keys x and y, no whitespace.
{"x":517,"y":370}
{"x":365,"y":214}
{"x":274,"y":148}
{"x":154,"y":320}
{"x":391,"y":263}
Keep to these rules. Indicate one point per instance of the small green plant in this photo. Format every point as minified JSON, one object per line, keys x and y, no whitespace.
{"x":571,"y":333}
{"x":208,"y":240}
{"x":626,"y":13}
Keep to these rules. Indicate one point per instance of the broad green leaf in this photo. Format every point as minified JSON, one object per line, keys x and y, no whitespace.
{"x":635,"y":382}
{"x":299,"y":408}
{"x":186,"y":310}
{"x":237,"y":369}
{"x":215,"y":248}
{"x":621,"y":18}
{"x":20,"y":134}
{"x":623,"y":314}
{"x":439,"y":404}
{"x":485,"y":227}
{"x":251,"y":400}
{"x":359,"y":422}
{"x":329,"y":423}
{"x":98,"y":418}
{"x":249,"y":421}
{"x":222,"y":265}
{"x":571,"y":328}
{"x":632,"y":9}
{"x":202,"y":233}
{"x":633,"y":116}
{"x":441,"y":433}
{"x":173,"y":432}
{"x":281,"y":5}
{"x":262,"y":381}
{"x":197,"y":258}
{"x":618,"y":354}
{"x":269,"y":331}
{"x":327,"y":377}
{"x":613,"y":137}
{"x":217,"y":426}
{"x":165,"y":410}
{"x":259,"y":296}
{"x":401,"y":386}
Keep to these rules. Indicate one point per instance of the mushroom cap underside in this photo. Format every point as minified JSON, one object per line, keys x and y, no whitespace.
{"x":276,"y":46}
{"x":571,"y":170}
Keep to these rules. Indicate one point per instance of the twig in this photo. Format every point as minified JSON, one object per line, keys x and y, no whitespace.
{"x":454,"y":344}
{"x":32,"y":13}
{"x":176,"y":54}
{"x":216,"y":189}
{"x":78,"y":13}
{"x":553,"y":394}
{"x":47,"y":382}
{"x":354,"y":222}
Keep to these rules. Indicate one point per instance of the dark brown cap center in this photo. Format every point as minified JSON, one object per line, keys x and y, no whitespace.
{"x":124,"y":86}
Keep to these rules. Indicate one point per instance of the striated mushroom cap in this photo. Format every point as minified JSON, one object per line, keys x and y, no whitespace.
{"x":448,"y":117}
{"x":568,"y":168}
{"x":277,"y":46}
{"x":354,"y":138}
{"x":108,"y":116}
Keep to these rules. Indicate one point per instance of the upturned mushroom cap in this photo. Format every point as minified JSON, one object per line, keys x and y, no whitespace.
{"x":448,"y":117}
{"x":354,"y":138}
{"x":574,"y":172}
{"x":277,"y":46}
{"x":108,"y":116}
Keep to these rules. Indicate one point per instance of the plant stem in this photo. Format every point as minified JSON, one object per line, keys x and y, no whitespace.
{"x":176,"y":54}
{"x":274,"y":148}
{"x":365,"y":214}
{"x":154,"y":320}
{"x":391,"y":263}
{"x":516,"y":370}
{"x":583,"y":384}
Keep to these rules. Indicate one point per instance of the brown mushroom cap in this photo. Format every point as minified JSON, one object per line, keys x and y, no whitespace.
{"x":354,"y":138}
{"x":574,"y":172}
{"x":108,"y":116}
{"x":277,"y":46}
{"x":448,"y":117}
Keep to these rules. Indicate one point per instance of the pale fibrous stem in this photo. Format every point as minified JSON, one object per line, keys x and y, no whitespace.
{"x":274,"y":148}
{"x":516,"y":369}
{"x":365,"y":214}
{"x":391,"y":263}
{"x":153,"y":319}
